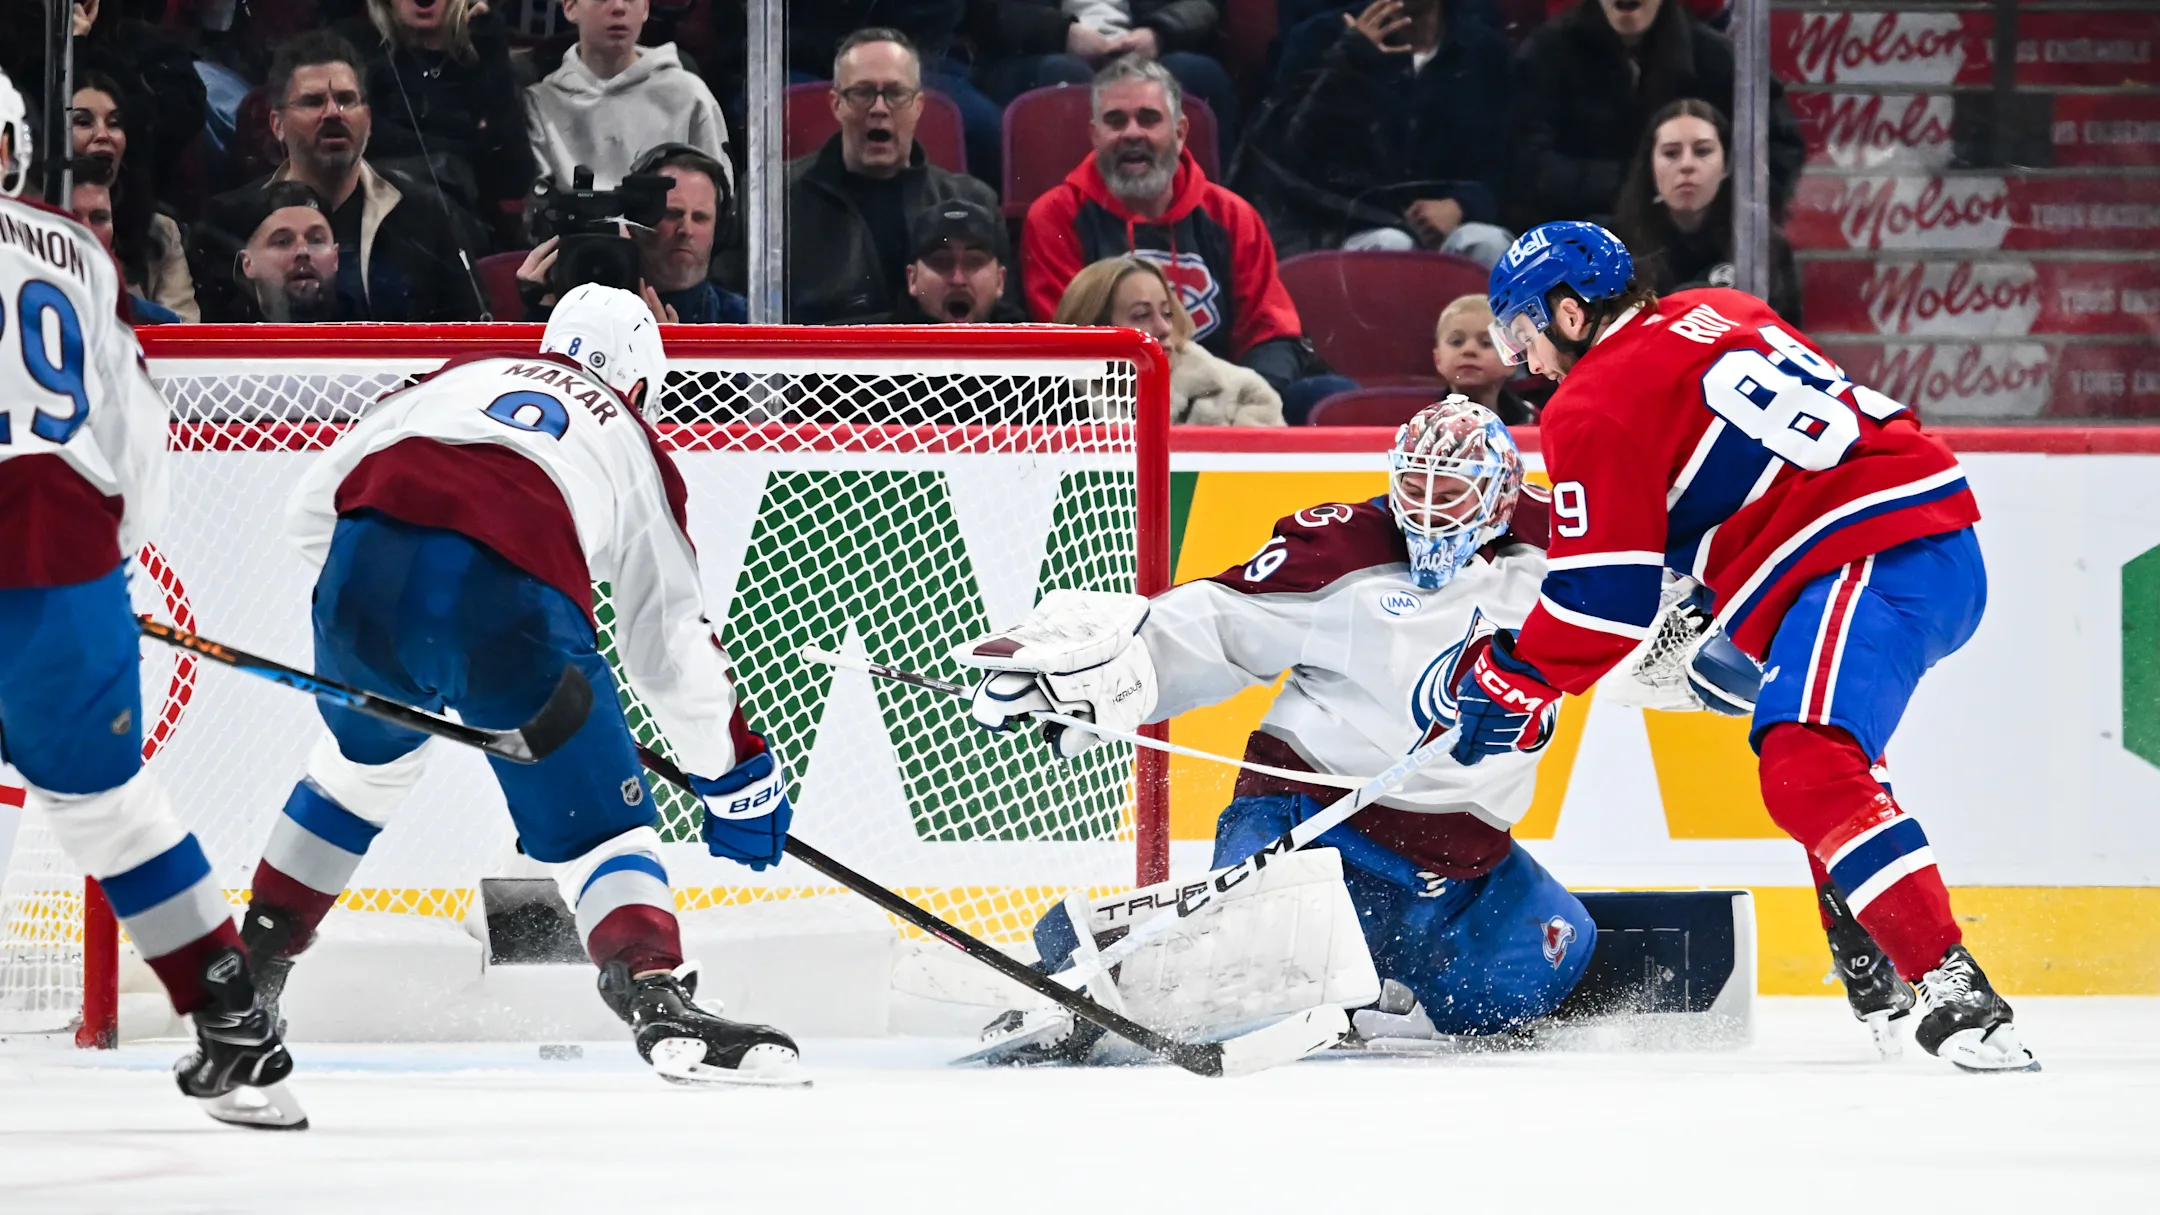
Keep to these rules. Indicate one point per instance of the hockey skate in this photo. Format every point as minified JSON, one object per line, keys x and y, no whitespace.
{"x":239,"y":1066}
{"x":1965,"y":1021}
{"x":688,"y":1044}
{"x":265,"y":931}
{"x":1034,"y":1038}
{"x":1879,"y":996}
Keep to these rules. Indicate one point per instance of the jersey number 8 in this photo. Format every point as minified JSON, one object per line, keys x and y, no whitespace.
{"x":38,"y":300}
{"x":1790,"y":405}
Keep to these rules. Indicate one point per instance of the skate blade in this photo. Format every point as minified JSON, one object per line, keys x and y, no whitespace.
{"x":1997,"y":1050}
{"x":682,"y":1061}
{"x":1038,"y":1027}
{"x":1286,"y":1041}
{"x":1883,"y":1028}
{"x":269,"y":1108}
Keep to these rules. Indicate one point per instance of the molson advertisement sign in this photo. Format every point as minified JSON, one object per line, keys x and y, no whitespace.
{"x":1964,"y":295}
{"x":2101,"y":49}
{"x":1974,"y":212}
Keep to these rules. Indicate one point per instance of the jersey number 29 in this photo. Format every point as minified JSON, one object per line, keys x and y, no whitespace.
{"x":38,"y":300}
{"x":1790,"y":401}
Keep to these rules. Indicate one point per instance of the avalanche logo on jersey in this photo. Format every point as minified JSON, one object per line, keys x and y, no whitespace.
{"x":1432,"y":698}
{"x":1558,"y":935}
{"x":1195,"y":284}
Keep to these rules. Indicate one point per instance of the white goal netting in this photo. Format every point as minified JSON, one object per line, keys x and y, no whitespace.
{"x":888,"y":500}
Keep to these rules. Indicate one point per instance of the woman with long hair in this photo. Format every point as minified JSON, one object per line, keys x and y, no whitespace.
{"x":1675,"y":212}
{"x":1204,"y":390}
{"x":146,"y":241}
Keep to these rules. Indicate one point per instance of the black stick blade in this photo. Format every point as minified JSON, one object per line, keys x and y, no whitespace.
{"x":562,"y":716}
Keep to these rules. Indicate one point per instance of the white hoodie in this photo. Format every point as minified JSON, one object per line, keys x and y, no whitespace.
{"x":575,"y":118}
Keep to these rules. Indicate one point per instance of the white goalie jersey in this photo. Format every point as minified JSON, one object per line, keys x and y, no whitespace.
{"x":548,"y":467}
{"x":1372,"y":666}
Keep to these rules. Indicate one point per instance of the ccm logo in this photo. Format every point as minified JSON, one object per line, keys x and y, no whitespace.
{"x":1507,"y":694}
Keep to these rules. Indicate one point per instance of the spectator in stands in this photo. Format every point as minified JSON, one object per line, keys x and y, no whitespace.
{"x":1463,"y":354}
{"x":1030,"y":44}
{"x":162,"y":91}
{"x":91,"y":202}
{"x":849,"y":202}
{"x":1141,"y":192}
{"x":1397,"y":140}
{"x":815,"y":32}
{"x":676,"y":258}
{"x":289,"y":268}
{"x":612,"y":97}
{"x":1676,"y":214}
{"x":958,"y":271}
{"x":1204,"y":390}
{"x":447,"y":105}
{"x":145,"y":240}
{"x":1586,"y":86}
{"x":400,"y":256}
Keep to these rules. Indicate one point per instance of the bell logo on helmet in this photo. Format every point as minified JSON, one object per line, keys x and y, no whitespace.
{"x":1533,"y":241}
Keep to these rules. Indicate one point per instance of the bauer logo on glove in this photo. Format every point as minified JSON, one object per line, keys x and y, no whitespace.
{"x":1077,"y":654}
{"x":747,"y":811}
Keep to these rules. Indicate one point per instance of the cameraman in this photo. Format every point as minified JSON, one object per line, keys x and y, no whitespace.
{"x":674,"y":254}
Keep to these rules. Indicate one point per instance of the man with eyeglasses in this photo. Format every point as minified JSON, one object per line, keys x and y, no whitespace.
{"x":403,"y":254}
{"x":612,"y":98}
{"x":849,"y":202}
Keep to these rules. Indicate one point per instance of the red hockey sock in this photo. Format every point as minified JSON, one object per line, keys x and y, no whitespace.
{"x":306,"y":905}
{"x":1818,"y":877}
{"x":640,"y":936}
{"x":1816,"y":784}
{"x":181,"y":971}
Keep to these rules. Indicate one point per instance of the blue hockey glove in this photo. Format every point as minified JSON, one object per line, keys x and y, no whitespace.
{"x":1502,"y":703}
{"x":1723,"y":677}
{"x":747,"y":811}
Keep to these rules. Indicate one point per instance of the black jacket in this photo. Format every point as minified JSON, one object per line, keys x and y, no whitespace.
{"x":1359,"y":139}
{"x":833,"y":269}
{"x":463,"y":120}
{"x":1580,"y":114}
{"x":1675,"y":260}
{"x":1037,"y":27}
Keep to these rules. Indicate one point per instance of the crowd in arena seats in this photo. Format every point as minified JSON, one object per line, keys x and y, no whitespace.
{"x":353,"y":160}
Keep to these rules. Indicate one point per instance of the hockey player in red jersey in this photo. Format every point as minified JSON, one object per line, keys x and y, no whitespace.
{"x":1700,"y":434}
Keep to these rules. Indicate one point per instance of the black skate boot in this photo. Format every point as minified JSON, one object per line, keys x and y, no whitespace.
{"x":1965,"y":1021}
{"x":239,"y":1066}
{"x":690,"y":1045}
{"x":1878,"y":994}
{"x":266,"y":931}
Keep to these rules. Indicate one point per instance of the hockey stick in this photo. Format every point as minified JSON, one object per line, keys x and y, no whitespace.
{"x":550,"y":728}
{"x":932,"y":683}
{"x":1280,"y":1043}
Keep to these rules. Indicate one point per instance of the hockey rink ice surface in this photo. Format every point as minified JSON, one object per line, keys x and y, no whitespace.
{"x":1803,"y":1120}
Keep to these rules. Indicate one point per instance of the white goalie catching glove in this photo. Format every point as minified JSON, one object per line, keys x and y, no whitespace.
{"x":1078,"y":654}
{"x":1687,"y":664}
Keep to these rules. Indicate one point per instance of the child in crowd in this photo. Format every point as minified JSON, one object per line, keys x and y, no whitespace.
{"x":1463,"y":354}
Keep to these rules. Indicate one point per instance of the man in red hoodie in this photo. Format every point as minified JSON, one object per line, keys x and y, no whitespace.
{"x":1141,"y":193}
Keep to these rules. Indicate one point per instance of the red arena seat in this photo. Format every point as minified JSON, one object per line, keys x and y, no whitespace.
{"x":1046,"y":134}
{"x":808,"y":122}
{"x":1371,"y":314}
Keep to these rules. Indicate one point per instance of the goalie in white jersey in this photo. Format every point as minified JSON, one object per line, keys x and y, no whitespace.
{"x":83,"y":487}
{"x":460,"y":527}
{"x":1370,"y":607}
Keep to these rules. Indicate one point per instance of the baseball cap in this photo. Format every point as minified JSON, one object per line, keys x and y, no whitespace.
{"x":957,"y":219}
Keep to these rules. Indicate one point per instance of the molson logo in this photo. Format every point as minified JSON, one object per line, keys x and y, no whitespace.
{"x":1881,"y":130}
{"x":1873,"y":48}
{"x":1952,"y":298}
{"x":1921,"y":212}
{"x":1969,"y":380}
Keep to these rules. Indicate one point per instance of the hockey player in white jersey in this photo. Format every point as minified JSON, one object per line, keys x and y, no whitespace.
{"x":1370,"y":607}
{"x":82,"y":487}
{"x":460,"y":527}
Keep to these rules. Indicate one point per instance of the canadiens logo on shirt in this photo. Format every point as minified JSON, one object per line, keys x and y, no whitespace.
{"x":1196,"y":287}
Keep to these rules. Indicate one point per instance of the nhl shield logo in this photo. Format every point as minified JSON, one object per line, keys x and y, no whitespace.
{"x":1558,"y":935}
{"x":633,"y":792}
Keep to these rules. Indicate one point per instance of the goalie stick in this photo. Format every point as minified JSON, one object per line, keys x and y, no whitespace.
{"x":1283,"y":1042}
{"x":558,"y":719}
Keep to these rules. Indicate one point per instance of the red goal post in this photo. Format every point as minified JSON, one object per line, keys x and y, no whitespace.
{"x":933,"y":425}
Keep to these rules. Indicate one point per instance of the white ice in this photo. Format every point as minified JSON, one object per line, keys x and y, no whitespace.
{"x":1804,"y":1120}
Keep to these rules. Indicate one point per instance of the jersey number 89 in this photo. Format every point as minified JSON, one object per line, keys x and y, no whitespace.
{"x":1791,"y":405}
{"x":37,"y":300}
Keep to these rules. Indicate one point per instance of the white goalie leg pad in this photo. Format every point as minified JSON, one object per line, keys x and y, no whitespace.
{"x":374,"y":792}
{"x":1285,"y":941}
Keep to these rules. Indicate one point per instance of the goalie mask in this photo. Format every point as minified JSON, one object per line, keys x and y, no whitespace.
{"x":14,"y":140}
{"x":1453,"y":477}
{"x":612,"y":334}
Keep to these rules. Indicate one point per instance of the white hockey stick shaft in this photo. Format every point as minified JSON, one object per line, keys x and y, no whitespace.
{"x":880,"y":670}
{"x":1297,"y":837}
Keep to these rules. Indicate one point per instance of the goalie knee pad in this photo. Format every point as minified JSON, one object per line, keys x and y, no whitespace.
{"x":624,"y":907}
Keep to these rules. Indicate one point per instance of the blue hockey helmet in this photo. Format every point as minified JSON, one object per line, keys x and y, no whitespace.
{"x":1570,"y":253}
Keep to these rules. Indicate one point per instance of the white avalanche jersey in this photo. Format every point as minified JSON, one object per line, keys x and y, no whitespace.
{"x":1372,"y":661}
{"x":76,"y":404}
{"x":622,"y":494}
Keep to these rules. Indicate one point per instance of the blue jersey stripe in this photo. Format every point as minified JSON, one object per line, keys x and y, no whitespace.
{"x":157,"y":879}
{"x":1719,"y":488}
{"x":1627,"y":594}
{"x":1746,"y":607}
{"x":1898,"y":839}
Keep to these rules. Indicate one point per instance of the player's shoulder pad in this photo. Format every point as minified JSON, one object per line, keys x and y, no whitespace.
{"x":1529,"y":524}
{"x":1315,"y":547}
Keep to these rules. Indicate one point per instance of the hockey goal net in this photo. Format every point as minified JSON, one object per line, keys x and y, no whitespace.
{"x":878,"y":491}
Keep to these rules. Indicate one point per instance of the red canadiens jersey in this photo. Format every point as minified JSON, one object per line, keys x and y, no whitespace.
{"x":1709,"y":438}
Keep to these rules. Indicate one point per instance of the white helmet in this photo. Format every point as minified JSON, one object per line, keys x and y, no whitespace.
{"x":14,"y":139}
{"x":612,"y":334}
{"x":1453,"y":476}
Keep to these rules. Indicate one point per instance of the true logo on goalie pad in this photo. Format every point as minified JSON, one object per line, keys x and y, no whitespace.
{"x":1558,"y":934}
